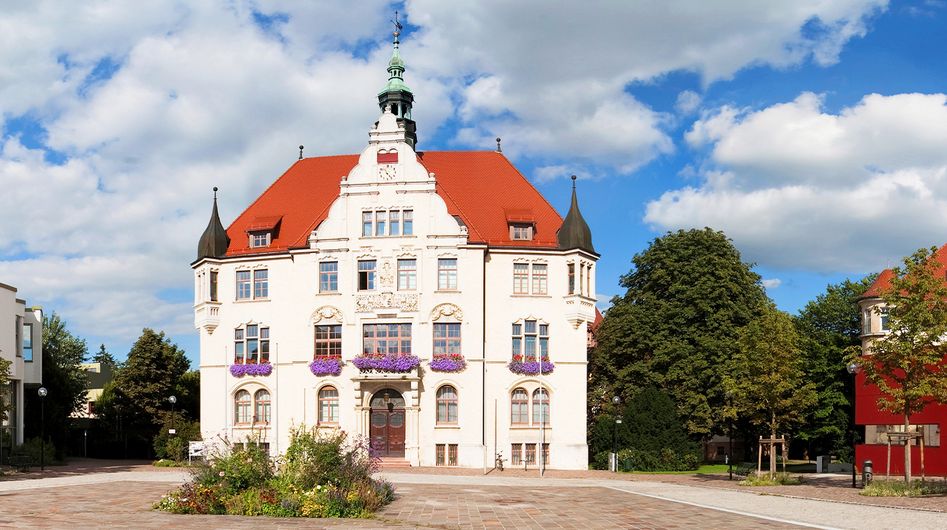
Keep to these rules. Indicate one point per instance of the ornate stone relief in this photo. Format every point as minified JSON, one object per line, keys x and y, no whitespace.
{"x":386,"y":276}
{"x":446,"y":310}
{"x":327,"y":312}
{"x":387,"y":300}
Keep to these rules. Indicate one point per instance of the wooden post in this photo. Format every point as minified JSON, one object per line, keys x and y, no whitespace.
{"x":785,"y":453}
{"x":888,"y":464}
{"x":759,"y":458}
{"x":920,"y":431}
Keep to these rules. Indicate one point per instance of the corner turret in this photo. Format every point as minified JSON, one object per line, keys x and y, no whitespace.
{"x":214,"y":241}
{"x":575,"y":232}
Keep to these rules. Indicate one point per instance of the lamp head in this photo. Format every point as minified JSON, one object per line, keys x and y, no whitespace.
{"x":853,"y":368}
{"x":42,"y":391}
{"x":173,"y":399}
{"x":616,"y":400}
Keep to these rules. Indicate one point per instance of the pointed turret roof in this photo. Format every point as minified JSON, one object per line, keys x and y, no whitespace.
{"x":214,"y":241}
{"x":575,"y":232}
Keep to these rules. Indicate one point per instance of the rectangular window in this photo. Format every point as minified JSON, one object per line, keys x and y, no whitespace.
{"x":516,"y":454}
{"x":866,"y":322}
{"x":530,"y":454}
{"x":445,"y":454}
{"x":261,"y":284}
{"x":329,"y":277}
{"x":328,"y":405}
{"x":884,"y":320}
{"x":545,"y":455}
{"x":259,"y":239}
{"x":264,"y":345}
{"x":520,"y":278}
{"x":394,"y":222}
{"x":447,"y":338}
{"x":877,"y":434}
{"x":408,"y":217}
{"x":447,"y":274}
{"x":238,"y":350}
{"x":367,"y":223}
{"x":213,"y":286}
{"x":521,"y":232}
{"x":517,"y":339}
{"x":243,"y":285}
{"x":366,"y":275}
{"x":328,"y":341}
{"x":529,"y":339}
{"x":17,"y":336}
{"x":452,"y":454}
{"x":407,"y":274}
{"x":386,"y":339}
{"x":380,"y":223}
{"x":539,"y":278}
{"x":571,"y":278}
{"x":28,"y":342}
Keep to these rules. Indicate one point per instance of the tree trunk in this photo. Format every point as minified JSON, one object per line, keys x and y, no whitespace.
{"x":772,"y":448}
{"x":907,"y":449}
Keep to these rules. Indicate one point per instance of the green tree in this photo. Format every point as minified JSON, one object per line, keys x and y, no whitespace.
{"x":827,"y":327}
{"x":64,"y":380}
{"x":104,"y":357}
{"x":907,"y":364}
{"x":4,"y":384}
{"x":135,"y":403}
{"x":676,"y":327}
{"x":767,"y":381}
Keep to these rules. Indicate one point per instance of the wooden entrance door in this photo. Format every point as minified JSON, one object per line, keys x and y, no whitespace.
{"x":387,"y":419}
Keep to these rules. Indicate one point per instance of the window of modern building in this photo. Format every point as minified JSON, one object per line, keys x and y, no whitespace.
{"x":18,"y":335}
{"x":260,"y":239}
{"x":261,"y":406}
{"x":386,"y":339}
{"x":241,"y":407}
{"x":530,"y":338}
{"x":328,"y":277}
{"x":251,"y":344}
{"x":382,"y":223}
{"x":521,"y":278}
{"x":407,"y":274}
{"x":328,"y":405}
{"x":521,"y":231}
{"x":28,"y":342}
{"x":328,"y":340}
{"x":519,"y":407}
{"x":878,"y":434}
{"x":366,"y":275}
{"x":446,"y":404}
{"x":540,"y":407}
{"x":447,"y":338}
{"x":447,"y":274}
{"x":446,"y":454}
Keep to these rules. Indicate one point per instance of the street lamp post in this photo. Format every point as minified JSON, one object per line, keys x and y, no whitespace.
{"x":852,"y":370}
{"x":173,"y":399}
{"x":730,"y":436}
{"x":615,"y":401}
{"x":42,"y":427}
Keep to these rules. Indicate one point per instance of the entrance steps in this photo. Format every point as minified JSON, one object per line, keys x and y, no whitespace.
{"x":390,"y":462}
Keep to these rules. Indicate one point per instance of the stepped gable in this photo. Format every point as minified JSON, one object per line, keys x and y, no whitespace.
{"x":482,"y":188}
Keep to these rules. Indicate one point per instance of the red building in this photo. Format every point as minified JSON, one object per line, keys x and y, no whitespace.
{"x":878,"y":422}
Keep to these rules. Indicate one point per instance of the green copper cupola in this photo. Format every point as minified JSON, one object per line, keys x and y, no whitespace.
{"x":575,"y":232}
{"x":214,"y":241}
{"x":396,"y":95}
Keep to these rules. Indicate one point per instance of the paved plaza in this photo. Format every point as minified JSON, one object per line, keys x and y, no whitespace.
{"x":122,"y":496}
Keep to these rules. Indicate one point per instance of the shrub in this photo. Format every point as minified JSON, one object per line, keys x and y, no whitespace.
{"x":664,"y":460}
{"x":780,"y":479}
{"x":327,"y":458}
{"x":241,"y":467}
{"x":33,"y":448}
{"x":898,"y":488}
{"x":174,"y":446}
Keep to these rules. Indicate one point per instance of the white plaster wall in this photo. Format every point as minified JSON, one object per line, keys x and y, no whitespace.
{"x":294,"y":305}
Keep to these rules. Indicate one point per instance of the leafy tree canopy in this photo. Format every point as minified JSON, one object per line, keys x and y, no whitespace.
{"x":677,"y":325}
{"x":4,"y":384}
{"x":104,"y":357}
{"x":827,"y":326}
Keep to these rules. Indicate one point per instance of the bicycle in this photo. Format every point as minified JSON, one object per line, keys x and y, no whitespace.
{"x":498,"y":464}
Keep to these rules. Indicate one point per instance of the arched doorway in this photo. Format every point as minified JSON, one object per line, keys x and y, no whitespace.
{"x":387,"y":423}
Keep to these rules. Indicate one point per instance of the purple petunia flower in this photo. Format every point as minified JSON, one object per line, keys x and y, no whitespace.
{"x":326,"y":366}
{"x":387,"y":363}
{"x":453,"y":363}
{"x":531,"y":367}
{"x":240,"y":370}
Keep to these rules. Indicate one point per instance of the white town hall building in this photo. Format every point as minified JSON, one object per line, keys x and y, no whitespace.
{"x":432,"y":301}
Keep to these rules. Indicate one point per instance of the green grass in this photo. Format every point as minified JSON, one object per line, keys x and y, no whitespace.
{"x":781,"y":479}
{"x":898,"y":488}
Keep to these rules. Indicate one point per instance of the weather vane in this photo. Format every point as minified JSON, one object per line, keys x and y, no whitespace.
{"x":398,"y":26}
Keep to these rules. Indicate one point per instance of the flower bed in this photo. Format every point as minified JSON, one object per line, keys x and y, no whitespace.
{"x":386,"y":363}
{"x":321,"y":366}
{"x":451,"y":362}
{"x":240,"y":370}
{"x":519,"y":366}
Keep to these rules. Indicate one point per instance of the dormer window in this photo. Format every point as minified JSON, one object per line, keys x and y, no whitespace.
{"x":260,"y":239}
{"x":521,"y":231}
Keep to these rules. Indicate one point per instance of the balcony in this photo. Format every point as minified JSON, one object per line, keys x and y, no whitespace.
{"x":579,"y":309}
{"x":207,"y":316}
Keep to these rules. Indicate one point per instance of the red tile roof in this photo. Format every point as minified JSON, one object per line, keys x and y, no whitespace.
{"x":883,"y":281}
{"x":479,"y":187}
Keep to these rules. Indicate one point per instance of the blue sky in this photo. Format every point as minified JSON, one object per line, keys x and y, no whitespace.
{"x":814,"y":135}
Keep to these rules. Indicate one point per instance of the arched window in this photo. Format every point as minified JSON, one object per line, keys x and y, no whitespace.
{"x":241,"y":407}
{"x":519,"y":405}
{"x":540,"y":407}
{"x":261,"y":412}
{"x":328,"y":405}
{"x":447,"y":404}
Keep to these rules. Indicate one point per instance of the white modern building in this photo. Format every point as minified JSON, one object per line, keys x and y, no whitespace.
{"x":432,"y":301}
{"x":21,"y":343}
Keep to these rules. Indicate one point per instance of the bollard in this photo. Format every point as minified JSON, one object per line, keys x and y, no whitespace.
{"x":868,"y":473}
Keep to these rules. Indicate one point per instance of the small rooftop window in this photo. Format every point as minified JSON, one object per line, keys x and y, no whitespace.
{"x":521,"y":231}
{"x":260,"y":239}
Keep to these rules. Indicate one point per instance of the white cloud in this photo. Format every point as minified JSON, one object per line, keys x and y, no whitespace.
{"x":687,"y":101}
{"x":796,"y":186}
{"x":772,"y":283}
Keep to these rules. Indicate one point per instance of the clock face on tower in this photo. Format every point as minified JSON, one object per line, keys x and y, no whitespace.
{"x":386,"y":172}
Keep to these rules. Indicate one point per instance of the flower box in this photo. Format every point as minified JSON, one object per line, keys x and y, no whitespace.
{"x":453,"y":362}
{"x":240,"y":370}
{"x":386,"y":363}
{"x":519,"y":366}
{"x":321,"y":366}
